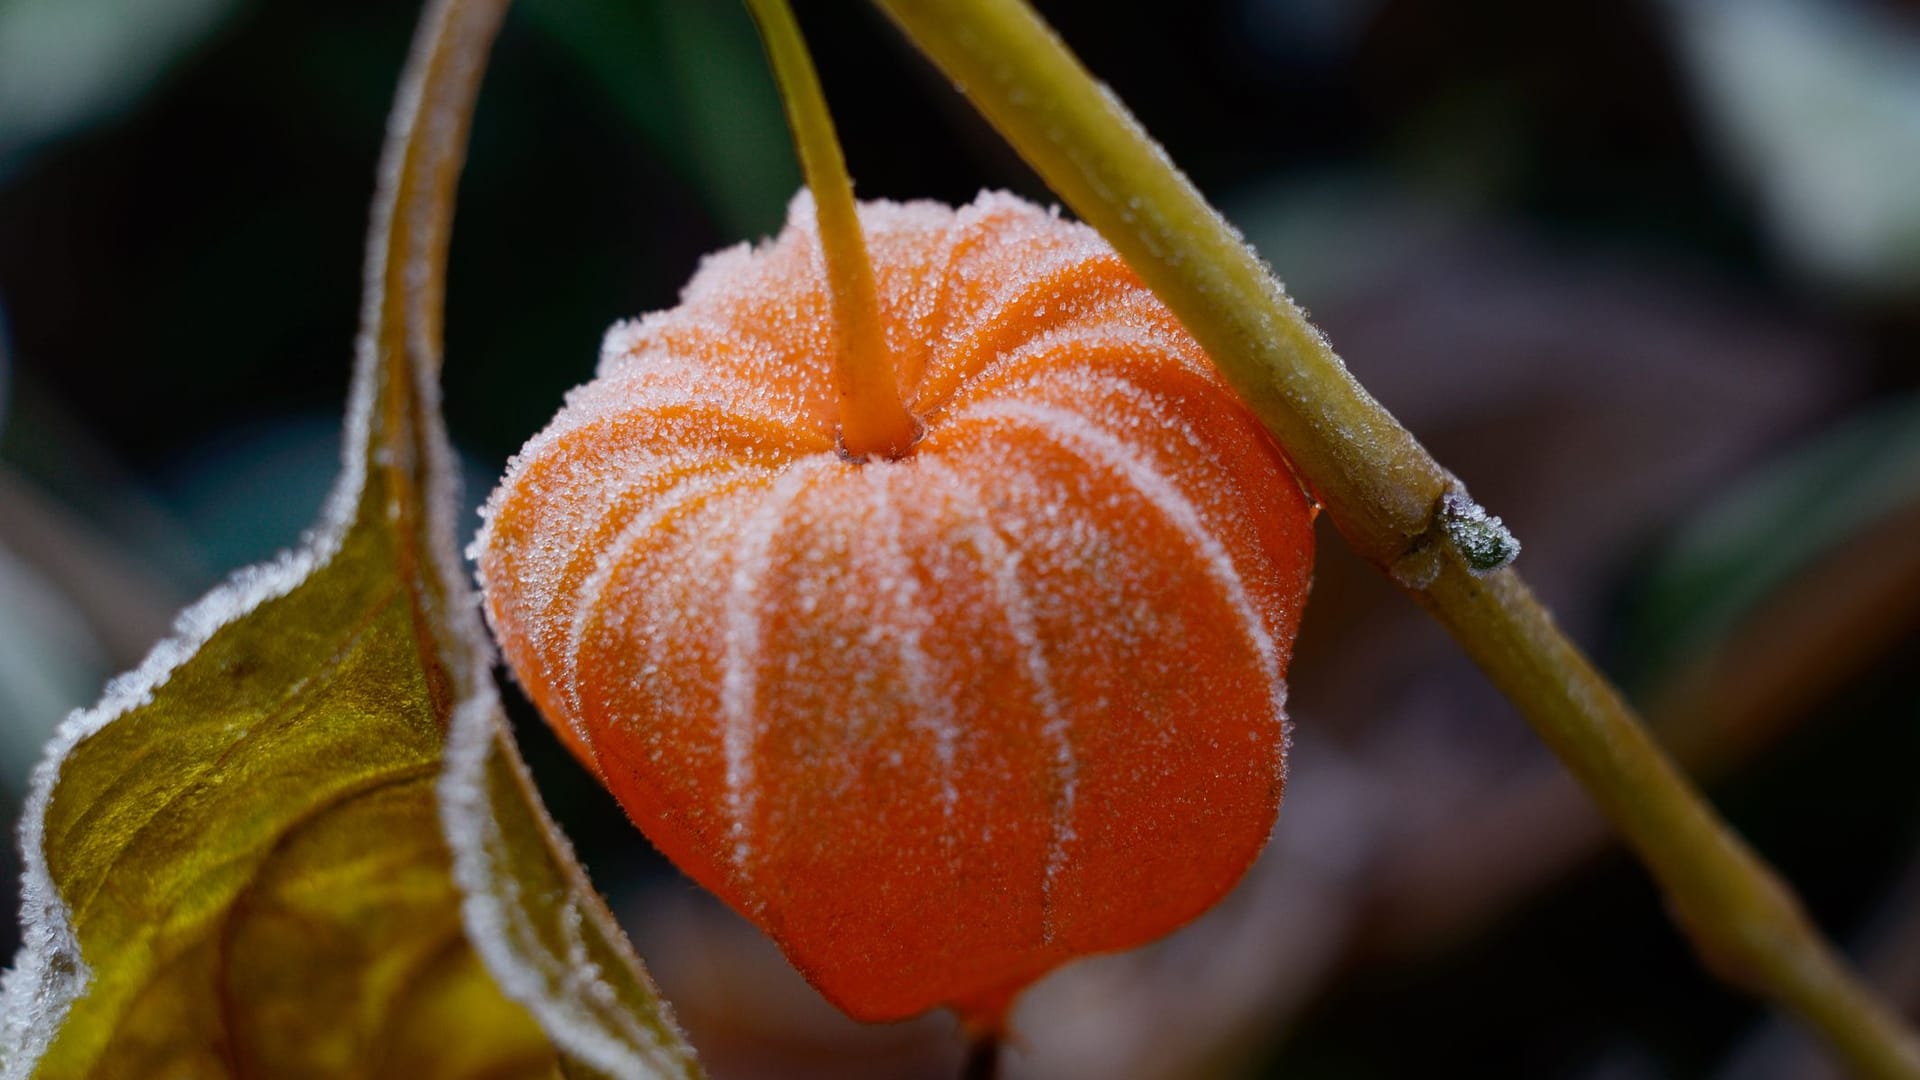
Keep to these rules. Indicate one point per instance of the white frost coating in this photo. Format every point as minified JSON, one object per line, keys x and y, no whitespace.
{"x":631,"y":400}
{"x":1087,"y":344}
{"x":569,"y":1005}
{"x":593,"y":590}
{"x":1483,"y":539}
{"x":585,"y":977}
{"x":974,"y":325}
{"x":931,"y":709}
{"x":1075,"y":433}
{"x":739,"y":677}
{"x":573,"y":1002}
{"x":574,"y":1005}
{"x":1152,"y":406}
{"x":1011,"y":593}
{"x":48,"y":974}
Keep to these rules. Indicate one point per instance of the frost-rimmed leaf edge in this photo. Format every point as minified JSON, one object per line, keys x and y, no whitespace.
{"x":429,"y":118}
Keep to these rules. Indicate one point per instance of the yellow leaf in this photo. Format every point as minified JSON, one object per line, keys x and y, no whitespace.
{"x":298,"y":840}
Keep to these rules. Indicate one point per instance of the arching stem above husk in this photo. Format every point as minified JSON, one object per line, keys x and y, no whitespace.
{"x":873,"y":420}
{"x":1390,"y":500}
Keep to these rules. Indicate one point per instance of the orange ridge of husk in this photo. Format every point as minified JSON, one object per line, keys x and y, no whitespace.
{"x":942,"y":723}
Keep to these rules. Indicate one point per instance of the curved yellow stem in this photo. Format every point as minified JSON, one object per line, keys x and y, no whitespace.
{"x":1390,"y":500}
{"x":872,"y":418}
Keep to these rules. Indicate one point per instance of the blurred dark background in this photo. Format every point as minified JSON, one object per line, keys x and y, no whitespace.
{"x":1645,"y":274}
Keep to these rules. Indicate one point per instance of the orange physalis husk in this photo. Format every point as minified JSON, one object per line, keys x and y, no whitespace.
{"x":942,"y":722}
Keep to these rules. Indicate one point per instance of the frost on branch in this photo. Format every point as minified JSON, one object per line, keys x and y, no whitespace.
{"x":1483,"y":540}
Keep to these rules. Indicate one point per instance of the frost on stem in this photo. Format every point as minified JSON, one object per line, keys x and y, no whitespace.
{"x":1482,"y":539}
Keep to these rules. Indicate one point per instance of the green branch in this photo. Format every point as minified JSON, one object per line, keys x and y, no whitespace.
{"x":1398,"y":508}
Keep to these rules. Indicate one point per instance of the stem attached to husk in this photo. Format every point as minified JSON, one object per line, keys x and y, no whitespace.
{"x":983,"y":1058}
{"x":1390,"y":500}
{"x":873,"y":421}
